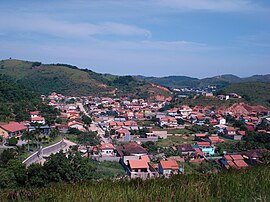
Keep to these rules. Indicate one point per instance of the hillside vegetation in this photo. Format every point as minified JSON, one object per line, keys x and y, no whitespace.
{"x":254,"y":93}
{"x":16,"y":102}
{"x":244,"y":185}
{"x":70,"y":80}
{"x":219,"y":81}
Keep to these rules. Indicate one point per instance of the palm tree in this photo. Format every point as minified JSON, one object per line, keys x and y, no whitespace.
{"x":28,"y":135}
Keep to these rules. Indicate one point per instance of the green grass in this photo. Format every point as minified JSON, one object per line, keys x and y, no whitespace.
{"x":71,"y":137}
{"x":175,"y":140}
{"x":244,"y":185}
{"x":109,"y":170}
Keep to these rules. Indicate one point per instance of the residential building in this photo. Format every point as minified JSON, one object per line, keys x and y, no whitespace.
{"x":168,"y":167}
{"x":12,"y":129}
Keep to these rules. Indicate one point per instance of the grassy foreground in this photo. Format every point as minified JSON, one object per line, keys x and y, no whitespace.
{"x":246,"y":185}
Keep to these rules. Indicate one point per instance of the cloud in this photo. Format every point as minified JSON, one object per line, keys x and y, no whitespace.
{"x":71,"y":29}
{"x":211,"y":5}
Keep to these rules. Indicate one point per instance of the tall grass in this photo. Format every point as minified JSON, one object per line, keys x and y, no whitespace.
{"x":245,"y":185}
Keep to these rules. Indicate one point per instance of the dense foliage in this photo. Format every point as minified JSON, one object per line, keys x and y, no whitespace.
{"x":85,"y":138}
{"x":255,"y":93}
{"x":16,"y":102}
{"x":58,"y":168}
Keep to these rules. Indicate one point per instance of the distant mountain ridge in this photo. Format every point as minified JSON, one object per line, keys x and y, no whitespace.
{"x":190,"y":82}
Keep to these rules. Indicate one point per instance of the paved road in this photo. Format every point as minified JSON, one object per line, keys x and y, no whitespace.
{"x":94,"y":126}
{"x":47,"y":151}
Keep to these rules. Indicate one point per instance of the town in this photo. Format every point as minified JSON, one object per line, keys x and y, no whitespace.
{"x":146,"y":138}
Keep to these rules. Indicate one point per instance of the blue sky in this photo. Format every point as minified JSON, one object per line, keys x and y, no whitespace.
{"x":196,"y":38}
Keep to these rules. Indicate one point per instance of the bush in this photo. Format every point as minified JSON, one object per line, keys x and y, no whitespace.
{"x":12,"y":141}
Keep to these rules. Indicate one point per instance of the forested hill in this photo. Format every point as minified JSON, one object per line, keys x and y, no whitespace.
{"x":255,"y":93}
{"x":70,"y":80}
{"x":190,"y":82}
{"x":16,"y":102}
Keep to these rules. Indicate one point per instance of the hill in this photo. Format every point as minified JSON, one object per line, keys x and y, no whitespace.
{"x":219,"y":81}
{"x":236,"y":185}
{"x":70,"y":80}
{"x":173,"y":81}
{"x":255,"y":93}
{"x":16,"y":102}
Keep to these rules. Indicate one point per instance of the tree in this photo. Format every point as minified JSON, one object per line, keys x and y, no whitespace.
{"x":150,"y":146}
{"x":28,"y":135}
{"x":82,"y":168}
{"x":6,"y":155}
{"x":58,"y":167}
{"x":54,"y":133}
{"x":86,"y":120}
{"x":37,"y":175}
{"x":74,"y":131}
{"x":19,"y":170}
{"x":180,"y":121}
{"x":13,"y":141}
{"x":58,"y":121}
{"x":101,"y":106}
{"x":88,"y":138}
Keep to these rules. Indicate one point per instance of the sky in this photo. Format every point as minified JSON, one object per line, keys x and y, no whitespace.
{"x":198,"y":38}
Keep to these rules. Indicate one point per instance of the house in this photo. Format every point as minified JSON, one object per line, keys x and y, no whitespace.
{"x":139,"y":167}
{"x":160,"y":133}
{"x":168,"y":167}
{"x":199,"y":120}
{"x":229,"y":132}
{"x":254,"y":156}
{"x":250,"y":126}
{"x":185,"y":149}
{"x":77,"y":125}
{"x":131,"y":149}
{"x":168,"y":122}
{"x":214,"y":139}
{"x":139,"y":116}
{"x":105,"y":150}
{"x":222,"y":121}
{"x":172,"y":112}
{"x":185,"y":111}
{"x":12,"y":129}
{"x":38,"y":119}
{"x":34,"y":114}
{"x":205,"y":147}
{"x":235,"y":161}
{"x":201,"y":137}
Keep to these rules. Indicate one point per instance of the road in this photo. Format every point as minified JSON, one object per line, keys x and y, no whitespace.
{"x":47,"y":151}
{"x":94,"y":126}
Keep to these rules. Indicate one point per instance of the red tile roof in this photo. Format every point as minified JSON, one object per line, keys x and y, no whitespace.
{"x":136,"y":164}
{"x":145,"y":158}
{"x":106,"y":146}
{"x":203,"y":144}
{"x":37,"y":119}
{"x":13,"y":127}
{"x":241,"y":163}
{"x":237,"y":157}
{"x":230,"y":128}
{"x":169,"y":164}
{"x":200,"y":135}
{"x":34,"y":113}
{"x":199,"y":151}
